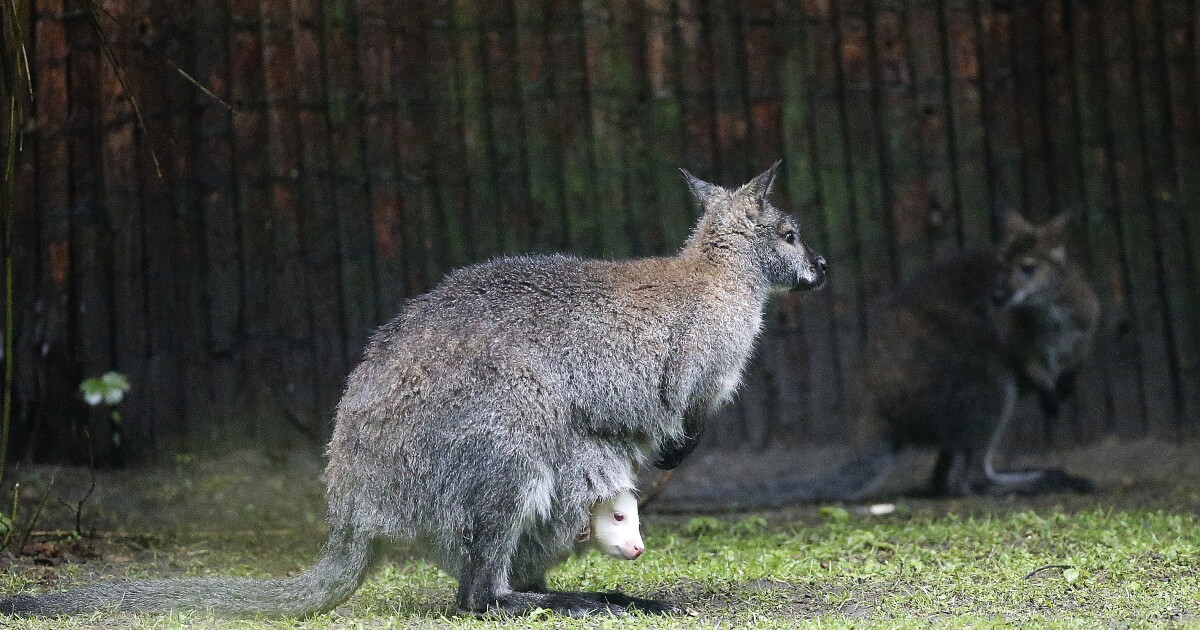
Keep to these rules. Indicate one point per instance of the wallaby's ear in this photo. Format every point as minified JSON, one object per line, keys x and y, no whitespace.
{"x":1053,"y":234}
{"x":702,"y":190}
{"x":760,"y":186}
{"x":1055,"y":229}
{"x":1015,"y":225}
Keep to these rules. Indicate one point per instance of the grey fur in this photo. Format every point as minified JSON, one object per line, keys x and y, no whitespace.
{"x":488,"y":417}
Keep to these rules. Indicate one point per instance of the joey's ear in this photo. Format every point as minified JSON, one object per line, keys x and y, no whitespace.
{"x":760,"y":186}
{"x":702,"y":190}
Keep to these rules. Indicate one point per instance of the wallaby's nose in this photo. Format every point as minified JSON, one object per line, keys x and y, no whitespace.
{"x":637,"y":551}
{"x":822,"y":264}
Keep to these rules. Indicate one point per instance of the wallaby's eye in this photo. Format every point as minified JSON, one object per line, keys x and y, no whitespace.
{"x":790,"y":237}
{"x":1028,"y":268}
{"x":617,"y":516}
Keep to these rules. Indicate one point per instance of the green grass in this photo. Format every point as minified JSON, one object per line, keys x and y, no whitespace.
{"x":1132,"y":566}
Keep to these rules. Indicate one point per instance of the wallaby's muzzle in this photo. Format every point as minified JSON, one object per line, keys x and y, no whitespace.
{"x":819,"y":277}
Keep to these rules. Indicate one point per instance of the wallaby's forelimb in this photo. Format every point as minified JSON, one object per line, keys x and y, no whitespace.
{"x":673,"y":452}
{"x":656,"y":489}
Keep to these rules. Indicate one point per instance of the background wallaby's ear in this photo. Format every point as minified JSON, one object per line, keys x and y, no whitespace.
{"x":1015,"y":225}
{"x":760,"y":186}
{"x":702,"y":190}
{"x":1055,"y":229}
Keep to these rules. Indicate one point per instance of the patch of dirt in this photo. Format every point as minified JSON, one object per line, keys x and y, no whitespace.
{"x":746,"y":602}
{"x":243,"y":490}
{"x":247,"y":502}
{"x":247,"y":491}
{"x":1128,"y":474}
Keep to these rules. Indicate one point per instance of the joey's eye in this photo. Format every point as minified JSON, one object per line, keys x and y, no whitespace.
{"x":790,"y":237}
{"x":1028,"y":268}
{"x":617,"y":516}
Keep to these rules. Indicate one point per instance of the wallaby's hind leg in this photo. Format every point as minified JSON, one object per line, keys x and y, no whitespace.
{"x":529,"y":576}
{"x":951,"y":474}
{"x":483,"y":585}
{"x":481,"y":591}
{"x":502,"y":572}
{"x":967,"y":465}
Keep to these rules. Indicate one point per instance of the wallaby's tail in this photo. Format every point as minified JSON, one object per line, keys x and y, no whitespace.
{"x":847,"y":482}
{"x":339,"y":572}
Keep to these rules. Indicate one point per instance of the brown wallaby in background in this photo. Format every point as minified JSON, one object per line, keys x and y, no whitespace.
{"x":951,"y":352}
{"x":948,"y":355}
{"x":493,"y":412}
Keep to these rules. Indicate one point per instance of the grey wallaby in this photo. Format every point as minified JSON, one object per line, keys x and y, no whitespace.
{"x":947,"y":357}
{"x":488,"y":417}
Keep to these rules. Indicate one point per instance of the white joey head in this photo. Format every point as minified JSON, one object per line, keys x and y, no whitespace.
{"x":614,"y":527}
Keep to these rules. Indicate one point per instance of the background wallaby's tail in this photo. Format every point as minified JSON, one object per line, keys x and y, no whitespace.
{"x":847,"y":482}
{"x":341,"y":569}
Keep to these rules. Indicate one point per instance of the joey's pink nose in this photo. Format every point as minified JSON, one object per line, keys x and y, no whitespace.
{"x":637,"y":551}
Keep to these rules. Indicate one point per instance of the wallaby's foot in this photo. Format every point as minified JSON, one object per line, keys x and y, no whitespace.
{"x":1058,"y":480}
{"x":673,"y":452}
{"x":1048,"y":481}
{"x":560,"y":603}
{"x":637,"y":604}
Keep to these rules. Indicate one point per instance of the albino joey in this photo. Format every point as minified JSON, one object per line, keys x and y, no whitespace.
{"x":614,"y":528}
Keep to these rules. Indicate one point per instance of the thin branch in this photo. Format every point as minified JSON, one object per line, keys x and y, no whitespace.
{"x":10,"y":195}
{"x":1046,"y":568}
{"x":91,"y":489}
{"x":37,"y":513}
{"x":187,"y":77}
{"x":183,"y":73}
{"x":22,"y":52}
{"x":116,"y":66}
{"x":16,"y":143}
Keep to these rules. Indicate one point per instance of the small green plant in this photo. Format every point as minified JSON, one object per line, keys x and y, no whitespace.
{"x":107,"y":390}
{"x":749,"y":526}
{"x":835,"y":513}
{"x":702,"y":525}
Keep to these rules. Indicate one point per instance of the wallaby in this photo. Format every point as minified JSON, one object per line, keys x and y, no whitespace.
{"x":952,"y":351}
{"x":487,"y":418}
{"x":614,"y":528}
{"x":947,"y":357}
